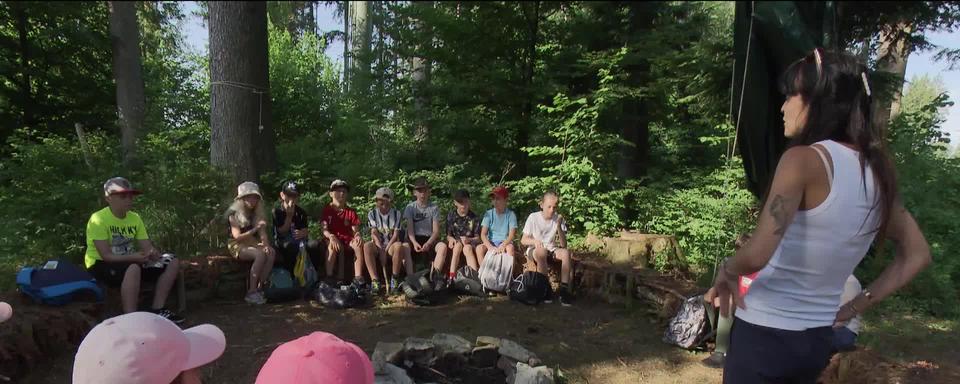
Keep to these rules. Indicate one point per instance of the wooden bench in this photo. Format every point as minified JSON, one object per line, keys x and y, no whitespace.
{"x":113,"y":304}
{"x":220,"y":269}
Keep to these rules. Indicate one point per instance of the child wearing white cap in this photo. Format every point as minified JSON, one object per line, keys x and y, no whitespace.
{"x":249,"y":242}
{"x":143,"y":348}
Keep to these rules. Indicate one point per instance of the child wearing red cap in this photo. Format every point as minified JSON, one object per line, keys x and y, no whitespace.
{"x":498,"y":228}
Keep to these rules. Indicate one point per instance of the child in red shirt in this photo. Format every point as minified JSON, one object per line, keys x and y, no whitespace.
{"x":341,"y":228}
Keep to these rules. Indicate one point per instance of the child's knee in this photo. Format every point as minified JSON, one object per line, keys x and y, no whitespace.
{"x":174,"y":265}
{"x":133,"y":270}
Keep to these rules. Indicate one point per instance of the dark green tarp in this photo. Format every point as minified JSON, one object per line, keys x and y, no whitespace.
{"x":783,"y":31}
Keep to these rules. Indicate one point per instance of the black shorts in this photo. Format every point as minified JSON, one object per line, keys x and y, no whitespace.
{"x":111,"y":273}
{"x":759,"y":354}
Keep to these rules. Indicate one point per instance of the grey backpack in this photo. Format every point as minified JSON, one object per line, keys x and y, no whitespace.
{"x":690,"y":327}
{"x":496,"y":272}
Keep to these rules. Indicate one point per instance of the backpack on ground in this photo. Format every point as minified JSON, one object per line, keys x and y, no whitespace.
{"x":467,"y":281}
{"x":424,"y":288}
{"x":689,"y":328}
{"x":496,"y":272}
{"x":57,"y":282}
{"x":530,"y":288}
{"x":340,"y":297}
{"x":281,"y":287}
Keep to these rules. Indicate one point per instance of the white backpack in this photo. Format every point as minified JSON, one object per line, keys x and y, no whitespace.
{"x":496,"y":272}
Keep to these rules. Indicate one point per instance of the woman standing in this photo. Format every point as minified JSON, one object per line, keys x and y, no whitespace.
{"x":833,"y":195}
{"x":249,"y":241}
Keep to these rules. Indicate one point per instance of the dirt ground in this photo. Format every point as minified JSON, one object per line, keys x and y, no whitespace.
{"x":591,"y":342}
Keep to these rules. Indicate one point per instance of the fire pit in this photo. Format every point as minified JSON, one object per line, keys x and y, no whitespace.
{"x":447,"y":358}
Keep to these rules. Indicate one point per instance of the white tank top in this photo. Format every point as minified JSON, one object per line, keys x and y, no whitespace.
{"x":800,"y":287}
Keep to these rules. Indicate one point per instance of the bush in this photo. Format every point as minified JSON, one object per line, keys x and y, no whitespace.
{"x":925,"y":173}
{"x":705,"y":215}
{"x":182,"y":195}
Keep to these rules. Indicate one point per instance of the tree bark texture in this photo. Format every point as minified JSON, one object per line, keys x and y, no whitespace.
{"x":892,"y":53}
{"x":128,"y":74}
{"x":242,"y":138}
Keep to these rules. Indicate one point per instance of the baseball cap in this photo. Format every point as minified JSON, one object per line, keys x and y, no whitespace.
{"x":339,"y":184}
{"x":144,"y":348}
{"x":248,"y":188}
{"x":500,"y":191}
{"x":6,"y":311}
{"x":291,"y":188}
{"x":384,"y":193}
{"x":119,"y":185}
{"x":318,"y":358}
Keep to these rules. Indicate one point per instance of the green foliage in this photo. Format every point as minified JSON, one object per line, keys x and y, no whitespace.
{"x":580,"y":164}
{"x":705,"y":211}
{"x":56,"y":66}
{"x":303,"y":84}
{"x":925,"y":172}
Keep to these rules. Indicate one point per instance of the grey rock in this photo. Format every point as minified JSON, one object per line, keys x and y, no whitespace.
{"x":393,"y":375}
{"x":385,"y":353}
{"x":420,"y":351}
{"x":447,"y":343}
{"x":532,"y":375}
{"x":515,"y":351}
{"x":488,"y":340}
{"x":507,"y":365}
{"x":392,"y":352}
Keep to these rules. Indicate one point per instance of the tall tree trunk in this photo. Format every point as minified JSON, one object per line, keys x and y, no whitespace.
{"x":892,"y":53}
{"x":420,"y":80}
{"x":360,"y":37}
{"x":26,"y":91}
{"x":526,"y":127}
{"x":127,"y":71}
{"x":346,"y":46}
{"x":241,"y":130}
{"x":634,"y":123}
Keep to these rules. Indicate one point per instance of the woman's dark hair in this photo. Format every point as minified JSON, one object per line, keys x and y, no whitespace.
{"x":836,"y":91}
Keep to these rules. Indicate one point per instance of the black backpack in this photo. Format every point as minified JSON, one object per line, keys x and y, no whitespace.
{"x":345,"y":296}
{"x":468,"y":281}
{"x":421,"y":288}
{"x":530,"y":288}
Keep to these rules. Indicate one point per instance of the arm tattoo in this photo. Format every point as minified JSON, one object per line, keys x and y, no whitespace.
{"x":778,"y":211}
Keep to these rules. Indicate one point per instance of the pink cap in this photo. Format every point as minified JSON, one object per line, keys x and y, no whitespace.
{"x":143,"y":348}
{"x":6,"y":311}
{"x":318,"y":358}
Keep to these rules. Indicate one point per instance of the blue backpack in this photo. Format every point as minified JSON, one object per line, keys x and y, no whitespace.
{"x":57,"y":282}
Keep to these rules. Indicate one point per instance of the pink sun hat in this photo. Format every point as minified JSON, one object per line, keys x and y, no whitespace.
{"x":144,"y":348}
{"x":318,"y":358}
{"x":6,"y":311}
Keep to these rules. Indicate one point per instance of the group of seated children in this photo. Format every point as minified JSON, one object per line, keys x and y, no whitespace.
{"x":120,"y":254}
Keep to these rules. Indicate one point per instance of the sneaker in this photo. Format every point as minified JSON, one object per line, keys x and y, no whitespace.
{"x":375,"y":287}
{"x":548,"y":299}
{"x":565,"y":299}
{"x":715,"y":360}
{"x":255,"y":298}
{"x":169,"y":315}
{"x":394,"y":285}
